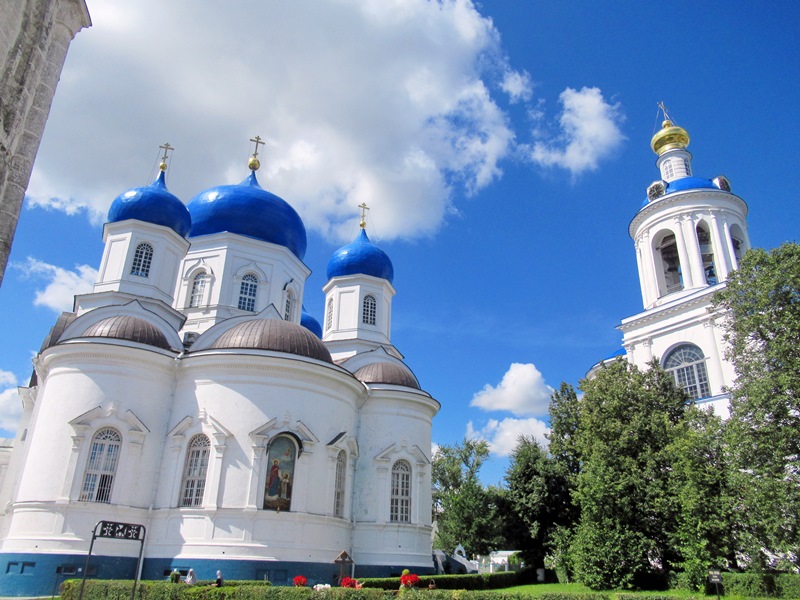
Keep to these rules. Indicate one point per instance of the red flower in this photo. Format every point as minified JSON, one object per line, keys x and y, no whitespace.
{"x":409,"y":580}
{"x":349,"y":582}
{"x":300,"y":581}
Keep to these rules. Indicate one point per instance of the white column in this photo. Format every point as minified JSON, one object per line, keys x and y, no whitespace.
{"x":715,"y":377}
{"x":693,"y":251}
{"x":687,"y":272}
{"x":720,"y":262}
{"x":726,"y":228}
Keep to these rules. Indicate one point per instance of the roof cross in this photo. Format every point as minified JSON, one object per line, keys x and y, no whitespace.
{"x":364,"y":208}
{"x":254,"y":163}
{"x":166,"y":148}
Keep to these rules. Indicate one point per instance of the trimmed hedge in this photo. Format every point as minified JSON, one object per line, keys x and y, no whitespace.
{"x":473,"y":581}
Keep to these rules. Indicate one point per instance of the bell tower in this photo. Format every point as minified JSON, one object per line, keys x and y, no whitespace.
{"x":689,"y":234}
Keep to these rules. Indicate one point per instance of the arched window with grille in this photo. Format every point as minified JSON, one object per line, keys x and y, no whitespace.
{"x":287,"y":309}
{"x":369,"y":310}
{"x":400,"y":507}
{"x":199,"y":285}
{"x":329,"y":315}
{"x":194,"y":471}
{"x":338,"y":492}
{"x":247,"y":292}
{"x":687,"y":364}
{"x":101,"y":466}
{"x":142,"y":258}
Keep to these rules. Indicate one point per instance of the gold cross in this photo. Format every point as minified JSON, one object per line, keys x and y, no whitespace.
{"x":364,"y":208}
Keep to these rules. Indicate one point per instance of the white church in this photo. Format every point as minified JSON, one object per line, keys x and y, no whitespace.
{"x":192,"y":394}
{"x":689,"y":235}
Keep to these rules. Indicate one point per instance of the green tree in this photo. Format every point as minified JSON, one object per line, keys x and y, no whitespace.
{"x":465,"y":512}
{"x":539,"y":495}
{"x":703,"y":502}
{"x":628,"y":422}
{"x":762,"y":327}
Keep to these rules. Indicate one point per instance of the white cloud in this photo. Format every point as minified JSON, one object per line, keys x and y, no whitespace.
{"x":377,"y":101}
{"x":522,"y":391}
{"x":503,"y":436}
{"x":61,"y":285}
{"x":517,"y":85}
{"x":589,"y":132}
{"x":10,"y":403}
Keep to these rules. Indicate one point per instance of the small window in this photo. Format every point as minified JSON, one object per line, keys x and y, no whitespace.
{"x":141,"y":260}
{"x":194,"y":472}
{"x":400,"y":508}
{"x":338,"y":493}
{"x":247,"y":292}
{"x":287,"y":310}
{"x":668,"y":171}
{"x":199,"y":285}
{"x":101,"y":466}
{"x":687,"y":364}
{"x":368,"y":310}
{"x":329,"y":314}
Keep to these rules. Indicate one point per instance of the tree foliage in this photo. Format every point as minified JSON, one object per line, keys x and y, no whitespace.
{"x":629,"y":420}
{"x":539,"y":496}
{"x":465,"y":512}
{"x":762,"y":301}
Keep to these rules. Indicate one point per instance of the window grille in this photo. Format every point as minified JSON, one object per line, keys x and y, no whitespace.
{"x":338,"y":493}
{"x":142,"y":258}
{"x":369,"y":310}
{"x":247,"y":293}
{"x":194,"y":471}
{"x":101,"y":466}
{"x":329,"y":315}
{"x":400,"y":509}
{"x":198,"y":290}
{"x":687,"y":364}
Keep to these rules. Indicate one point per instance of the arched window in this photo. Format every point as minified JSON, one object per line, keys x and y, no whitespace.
{"x":199,"y":285}
{"x":688,"y":366}
{"x":247,"y":292}
{"x":101,"y":466}
{"x":400,"y":507}
{"x":368,"y":310}
{"x":707,"y":254}
{"x":338,"y":492}
{"x":287,"y":311}
{"x":194,"y":471}
{"x":329,"y":315}
{"x":280,"y":473}
{"x":668,"y":265}
{"x":142,"y":258}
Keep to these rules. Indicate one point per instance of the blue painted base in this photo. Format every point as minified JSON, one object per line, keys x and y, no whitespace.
{"x":40,"y":574}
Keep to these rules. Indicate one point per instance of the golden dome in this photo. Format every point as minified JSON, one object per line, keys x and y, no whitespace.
{"x":669,"y":138}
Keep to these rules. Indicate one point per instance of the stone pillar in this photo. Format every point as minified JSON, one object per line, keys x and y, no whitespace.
{"x":34,"y":37}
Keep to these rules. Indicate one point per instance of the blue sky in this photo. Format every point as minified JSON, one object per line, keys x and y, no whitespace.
{"x":503,"y":148}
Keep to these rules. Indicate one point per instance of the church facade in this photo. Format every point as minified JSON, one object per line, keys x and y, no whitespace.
{"x":689,"y":234}
{"x":192,"y":393}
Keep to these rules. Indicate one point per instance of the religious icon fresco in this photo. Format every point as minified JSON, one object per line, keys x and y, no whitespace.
{"x":280,"y":474}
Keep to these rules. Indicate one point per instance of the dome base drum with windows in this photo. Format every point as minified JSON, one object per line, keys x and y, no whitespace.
{"x":689,"y":234}
{"x":191,"y":392}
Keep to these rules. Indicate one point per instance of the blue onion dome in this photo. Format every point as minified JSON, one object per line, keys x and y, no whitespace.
{"x":361,"y":257}
{"x":248,"y":209}
{"x":152,"y":204}
{"x":310,"y":323}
